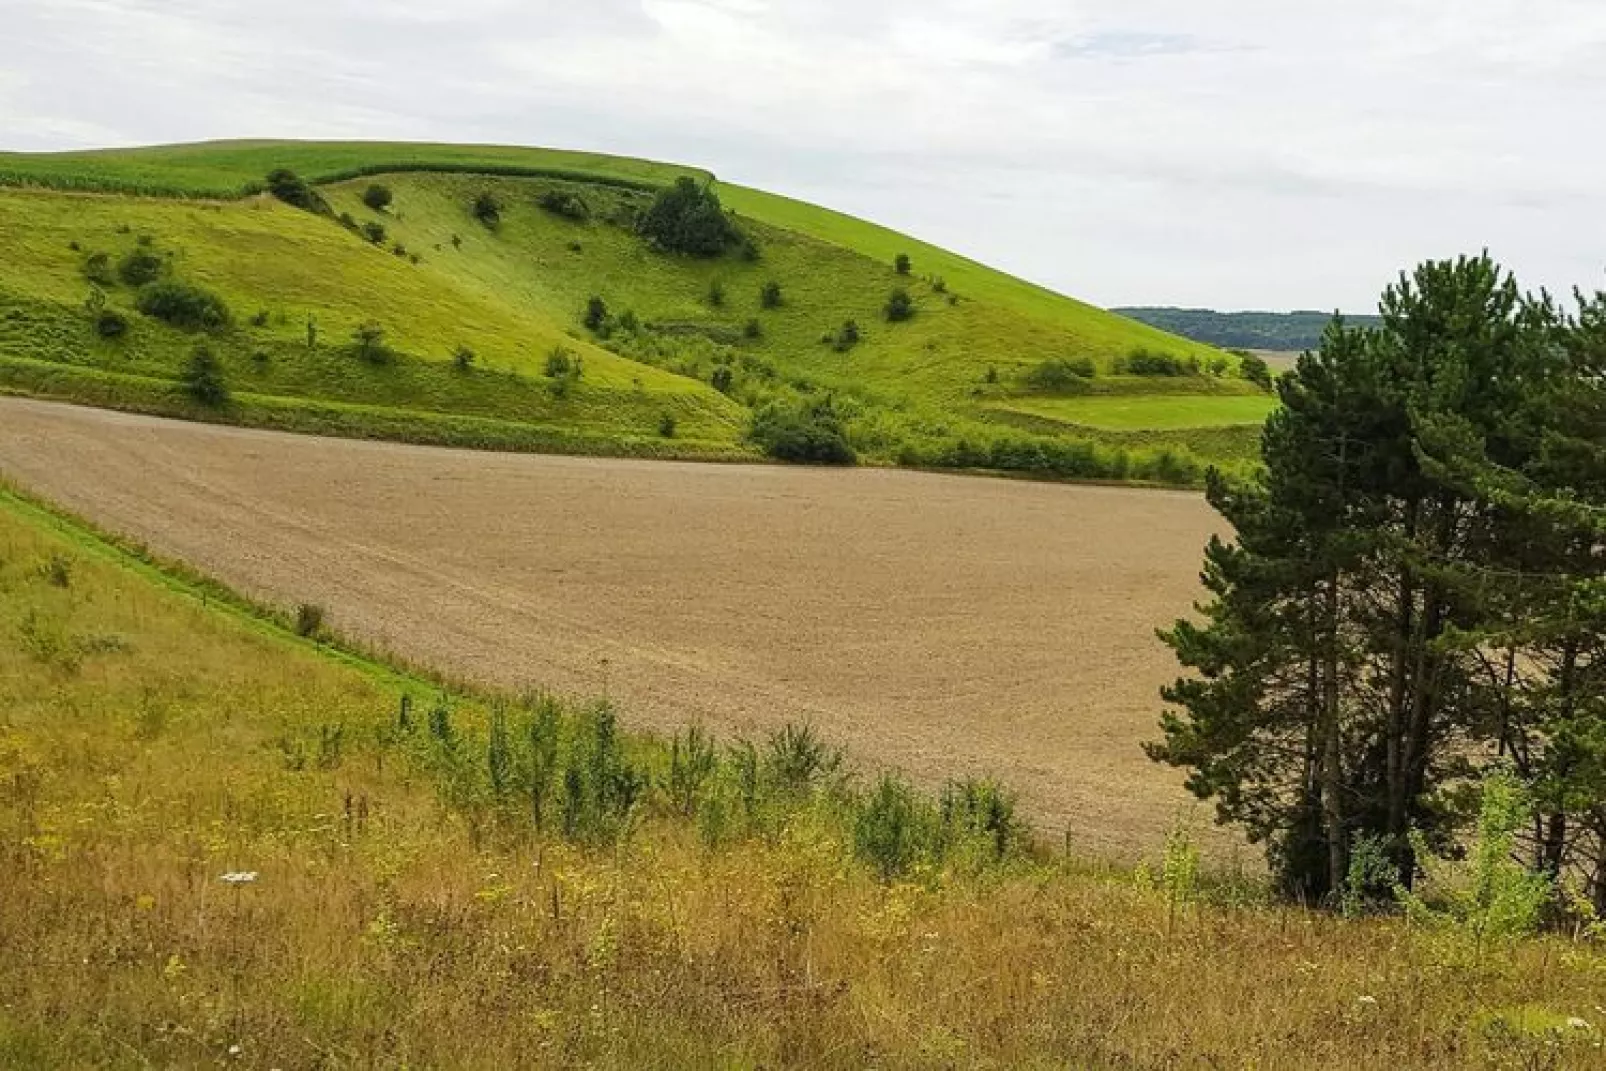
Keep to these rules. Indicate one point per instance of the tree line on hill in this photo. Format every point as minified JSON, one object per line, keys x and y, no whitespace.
{"x":1280,"y":331}
{"x":1415,"y":597}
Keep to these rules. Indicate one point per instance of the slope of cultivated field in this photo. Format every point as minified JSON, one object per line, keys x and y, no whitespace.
{"x":935,"y":623}
{"x":937,"y":390}
{"x":223,"y":845}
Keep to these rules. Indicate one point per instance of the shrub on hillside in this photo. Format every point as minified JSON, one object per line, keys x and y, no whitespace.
{"x":368,"y":340}
{"x":290,"y":188}
{"x":560,"y":363}
{"x":1145,"y":362}
{"x":770,"y":296}
{"x":901,"y":264}
{"x":374,"y":231}
{"x":1255,"y":370}
{"x":183,"y":305}
{"x":462,"y":358}
{"x":109,"y":323}
{"x":666,"y":425}
{"x":98,"y":269}
{"x":807,"y":434}
{"x":565,"y":204}
{"x":1061,"y":375}
{"x":596,"y":317}
{"x":377,"y":197}
{"x":487,"y":209}
{"x":900,"y":306}
{"x":753,"y":330}
{"x":140,"y":266}
{"x":203,"y":377}
{"x":721,"y":378}
{"x":687,"y":218}
{"x":309,"y":620}
{"x":894,"y":828}
{"x":847,"y":336}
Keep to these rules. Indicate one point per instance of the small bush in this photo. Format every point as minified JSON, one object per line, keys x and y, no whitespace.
{"x":982,"y":813}
{"x":596,"y":316}
{"x":1061,"y":375}
{"x":753,"y":330}
{"x":846,"y":338}
{"x":58,"y":571}
{"x":809,"y":434}
{"x":109,"y":323}
{"x":98,"y":270}
{"x":1255,"y":369}
{"x":369,"y":342}
{"x":797,"y":760}
{"x":348,"y":221}
{"x":374,"y":231}
{"x":183,"y":305}
{"x":567,"y":205}
{"x":290,"y":188}
{"x":666,"y":425}
{"x":900,"y":306}
{"x":399,"y":250}
{"x":939,"y":285}
{"x":309,"y":620}
{"x":259,"y":318}
{"x":716,"y":294}
{"x":377,"y":197}
{"x":687,"y":218}
{"x":462,"y":358}
{"x":894,"y":828}
{"x":203,"y":377}
{"x":487,"y":209}
{"x":1145,"y":362}
{"x":770,"y":296}
{"x":721,"y":378}
{"x":901,"y":264}
{"x":559,"y":363}
{"x":140,"y":267}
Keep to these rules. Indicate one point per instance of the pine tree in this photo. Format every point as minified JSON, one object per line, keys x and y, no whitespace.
{"x":1349,"y":668}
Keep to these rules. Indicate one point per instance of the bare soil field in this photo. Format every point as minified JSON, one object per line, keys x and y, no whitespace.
{"x":943,"y":625}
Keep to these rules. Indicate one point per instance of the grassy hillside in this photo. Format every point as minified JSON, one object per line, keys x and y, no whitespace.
{"x":672,"y":907}
{"x":685,"y":358}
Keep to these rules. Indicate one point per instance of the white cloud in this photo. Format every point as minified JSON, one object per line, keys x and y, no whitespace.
{"x":1254,"y":153}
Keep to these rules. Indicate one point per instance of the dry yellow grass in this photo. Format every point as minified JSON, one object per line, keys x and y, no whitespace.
{"x":147,"y":745}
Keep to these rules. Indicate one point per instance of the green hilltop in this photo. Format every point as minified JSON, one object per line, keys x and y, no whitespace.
{"x":508,"y":298}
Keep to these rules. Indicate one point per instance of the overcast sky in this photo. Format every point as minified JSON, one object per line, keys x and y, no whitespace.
{"x":1237,"y":154}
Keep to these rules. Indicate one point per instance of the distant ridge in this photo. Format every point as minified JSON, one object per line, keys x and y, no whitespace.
{"x":1283,"y":331}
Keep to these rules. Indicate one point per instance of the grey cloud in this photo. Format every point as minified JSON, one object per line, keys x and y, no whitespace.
{"x":1236,"y":154}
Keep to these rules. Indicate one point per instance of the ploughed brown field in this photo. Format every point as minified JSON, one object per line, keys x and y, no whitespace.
{"x":942,"y":625}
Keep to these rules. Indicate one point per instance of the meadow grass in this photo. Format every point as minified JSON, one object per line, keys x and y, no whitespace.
{"x":157,"y":733}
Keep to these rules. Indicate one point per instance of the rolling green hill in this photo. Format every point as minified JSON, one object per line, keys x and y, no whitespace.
{"x":484,"y":337}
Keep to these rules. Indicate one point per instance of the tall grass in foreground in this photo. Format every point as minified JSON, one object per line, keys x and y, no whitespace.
{"x":500,"y":883}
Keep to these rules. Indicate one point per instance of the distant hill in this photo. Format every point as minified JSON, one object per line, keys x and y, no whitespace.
{"x":1284,"y":331}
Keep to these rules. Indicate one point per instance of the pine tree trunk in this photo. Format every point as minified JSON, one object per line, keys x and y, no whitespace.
{"x":1332,"y":750}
